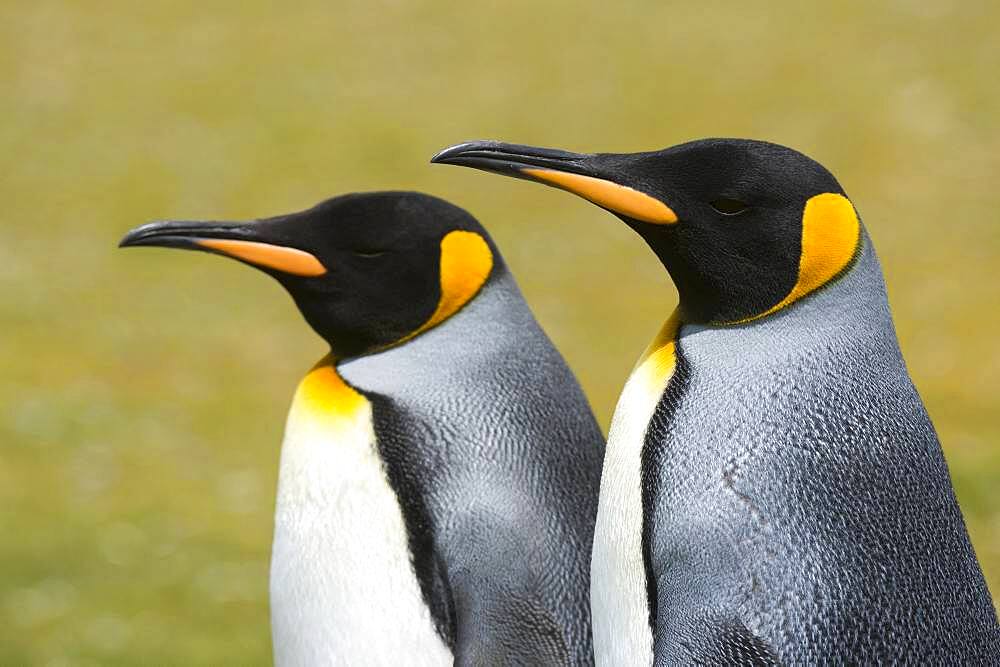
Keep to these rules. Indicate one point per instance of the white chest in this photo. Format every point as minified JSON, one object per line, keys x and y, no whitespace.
{"x":343,"y":590}
{"x":622,"y":635}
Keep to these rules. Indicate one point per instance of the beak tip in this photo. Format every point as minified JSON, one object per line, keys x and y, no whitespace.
{"x":132,"y":238}
{"x":450,"y":154}
{"x":137,"y":235}
{"x":442,"y":156}
{"x":508,"y":159}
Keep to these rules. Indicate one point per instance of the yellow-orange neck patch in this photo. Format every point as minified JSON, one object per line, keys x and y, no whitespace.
{"x":831,"y":233}
{"x":466,"y":262}
{"x":280,"y":258}
{"x":656,"y":365}
{"x":610,"y":195}
{"x":322,"y":392}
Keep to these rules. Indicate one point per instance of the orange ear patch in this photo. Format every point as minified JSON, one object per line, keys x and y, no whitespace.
{"x":466,"y":262}
{"x":287,"y":260}
{"x":610,"y":195}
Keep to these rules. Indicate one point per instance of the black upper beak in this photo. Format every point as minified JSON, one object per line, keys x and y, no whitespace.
{"x":588,"y":175}
{"x":513,"y":159}
{"x":253,"y":243}
{"x":185,"y":233}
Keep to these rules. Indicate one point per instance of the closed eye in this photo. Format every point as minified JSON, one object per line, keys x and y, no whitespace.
{"x":368,"y":253}
{"x":727,"y":206}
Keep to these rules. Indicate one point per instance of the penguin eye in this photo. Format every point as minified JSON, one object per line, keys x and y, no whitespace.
{"x":368,"y":253}
{"x":727,"y":206}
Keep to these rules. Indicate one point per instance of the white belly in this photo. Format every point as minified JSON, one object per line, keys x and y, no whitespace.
{"x":343,"y":589}
{"x":620,"y":610}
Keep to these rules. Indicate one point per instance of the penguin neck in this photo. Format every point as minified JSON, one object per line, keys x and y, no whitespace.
{"x":497,"y":316}
{"x":844,"y":314}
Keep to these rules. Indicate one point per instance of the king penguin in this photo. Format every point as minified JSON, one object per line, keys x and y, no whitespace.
{"x":438,"y":481}
{"x":773,"y":490}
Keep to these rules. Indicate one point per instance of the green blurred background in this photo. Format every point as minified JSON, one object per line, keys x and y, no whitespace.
{"x":143,"y":393}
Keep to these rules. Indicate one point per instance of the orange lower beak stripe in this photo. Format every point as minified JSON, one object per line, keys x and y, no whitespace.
{"x":287,"y":260}
{"x":610,"y":195}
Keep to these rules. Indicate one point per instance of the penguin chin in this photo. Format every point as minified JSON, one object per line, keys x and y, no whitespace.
{"x":347,"y":345}
{"x":350,"y":343}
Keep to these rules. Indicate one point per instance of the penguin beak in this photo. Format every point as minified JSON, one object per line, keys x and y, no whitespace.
{"x":578,"y":173}
{"x":242,"y":241}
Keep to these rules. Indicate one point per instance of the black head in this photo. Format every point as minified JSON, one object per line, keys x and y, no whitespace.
{"x":744,"y":227}
{"x":368,"y":271}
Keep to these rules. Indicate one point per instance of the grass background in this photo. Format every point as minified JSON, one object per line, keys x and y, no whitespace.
{"x":143,"y":393}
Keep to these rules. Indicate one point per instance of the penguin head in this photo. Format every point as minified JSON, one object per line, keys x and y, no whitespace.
{"x":744,"y":227}
{"x":368,"y":271}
